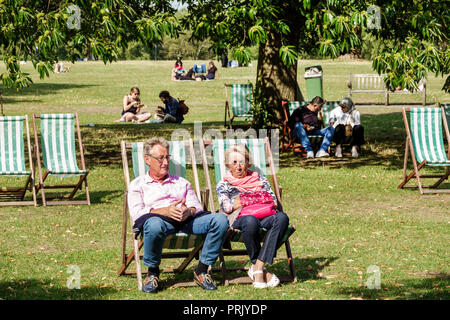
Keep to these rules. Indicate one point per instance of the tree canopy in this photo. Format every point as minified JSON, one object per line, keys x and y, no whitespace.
{"x":35,"y":30}
{"x":281,"y":29}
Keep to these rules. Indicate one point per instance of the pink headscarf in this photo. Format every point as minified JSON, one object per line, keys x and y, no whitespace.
{"x":250,"y":182}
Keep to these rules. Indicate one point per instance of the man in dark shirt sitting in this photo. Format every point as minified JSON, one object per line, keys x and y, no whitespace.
{"x":304,"y":122}
{"x":172,"y":111}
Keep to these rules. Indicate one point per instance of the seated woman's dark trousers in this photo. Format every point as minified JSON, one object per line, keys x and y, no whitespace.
{"x":356,"y":139}
{"x":276,"y":225}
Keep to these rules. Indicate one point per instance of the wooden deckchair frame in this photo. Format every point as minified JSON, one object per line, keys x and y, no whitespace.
{"x":292,"y":277}
{"x":75,"y":187}
{"x":14,"y":193}
{"x":288,"y":140}
{"x":228,"y":106}
{"x":134,"y":255}
{"x":409,"y":150}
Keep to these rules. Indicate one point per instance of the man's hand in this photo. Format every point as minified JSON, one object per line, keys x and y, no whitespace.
{"x":188,"y":212}
{"x":174,"y":212}
{"x":307,"y":127}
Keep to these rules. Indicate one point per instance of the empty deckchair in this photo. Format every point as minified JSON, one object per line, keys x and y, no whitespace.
{"x":12,"y":160}
{"x":188,"y":245}
{"x":59,"y":156}
{"x":262,"y":156}
{"x":424,"y":142}
{"x":241,"y":102}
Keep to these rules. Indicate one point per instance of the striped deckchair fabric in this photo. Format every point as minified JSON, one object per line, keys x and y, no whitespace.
{"x":326,"y":108}
{"x":257,"y":152}
{"x":326,"y":111}
{"x":59,"y":157}
{"x":12,"y":160}
{"x":181,"y":153}
{"x":426,"y":136}
{"x":58,"y":145}
{"x":446,"y":108}
{"x":425,"y":145}
{"x":177,"y":164}
{"x":241,"y":97}
{"x":292,"y":105}
{"x":12,"y":148}
{"x":240,"y":102}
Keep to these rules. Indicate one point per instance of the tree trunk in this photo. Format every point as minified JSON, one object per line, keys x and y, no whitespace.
{"x":276,"y":80}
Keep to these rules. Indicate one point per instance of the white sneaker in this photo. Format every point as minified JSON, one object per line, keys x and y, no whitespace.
{"x":355,"y":152}
{"x":310,"y":155}
{"x":338,"y":153}
{"x":321,"y":154}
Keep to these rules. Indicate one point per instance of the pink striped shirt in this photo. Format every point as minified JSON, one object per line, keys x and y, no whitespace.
{"x":146,"y":194}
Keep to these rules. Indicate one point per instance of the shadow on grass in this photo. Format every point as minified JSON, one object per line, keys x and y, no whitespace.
{"x":432,"y":288}
{"x":384,"y":134}
{"x":385,"y":146}
{"x":306,"y":269}
{"x":40,"y":89}
{"x":44,"y":289}
{"x":99,"y":197}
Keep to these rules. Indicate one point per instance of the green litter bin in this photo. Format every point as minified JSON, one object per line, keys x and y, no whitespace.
{"x":313,"y":79}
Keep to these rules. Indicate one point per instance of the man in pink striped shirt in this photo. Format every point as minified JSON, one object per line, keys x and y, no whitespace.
{"x":161,"y":204}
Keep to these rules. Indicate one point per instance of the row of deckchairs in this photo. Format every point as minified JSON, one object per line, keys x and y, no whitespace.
{"x":188,"y":246}
{"x":58,"y":153}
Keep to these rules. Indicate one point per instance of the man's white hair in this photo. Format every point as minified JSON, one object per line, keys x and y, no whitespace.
{"x":150,"y":143}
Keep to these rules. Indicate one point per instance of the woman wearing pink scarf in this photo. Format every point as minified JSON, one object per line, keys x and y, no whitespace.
{"x":240,"y":191}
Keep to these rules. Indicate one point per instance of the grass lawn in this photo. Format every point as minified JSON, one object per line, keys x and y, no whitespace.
{"x":348,"y":212}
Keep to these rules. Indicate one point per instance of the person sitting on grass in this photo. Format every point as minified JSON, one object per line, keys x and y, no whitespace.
{"x":304,"y":122}
{"x":211,"y":72}
{"x":162,"y":204}
{"x":347,"y":123}
{"x":131,"y":111}
{"x":171,"y":113}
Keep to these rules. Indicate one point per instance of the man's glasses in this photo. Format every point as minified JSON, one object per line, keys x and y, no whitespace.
{"x":161,"y":159}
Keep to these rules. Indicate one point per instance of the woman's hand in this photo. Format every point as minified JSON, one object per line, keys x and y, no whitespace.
{"x":236,"y":203}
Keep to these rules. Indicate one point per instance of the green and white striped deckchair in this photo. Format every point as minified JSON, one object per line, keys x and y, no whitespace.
{"x":326,"y":111}
{"x":12,"y":160}
{"x":241,"y":97}
{"x":181,"y":154}
{"x":288,"y":141}
{"x":446,"y":107}
{"x":261,"y":157}
{"x":424,"y":141}
{"x":59,"y":156}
